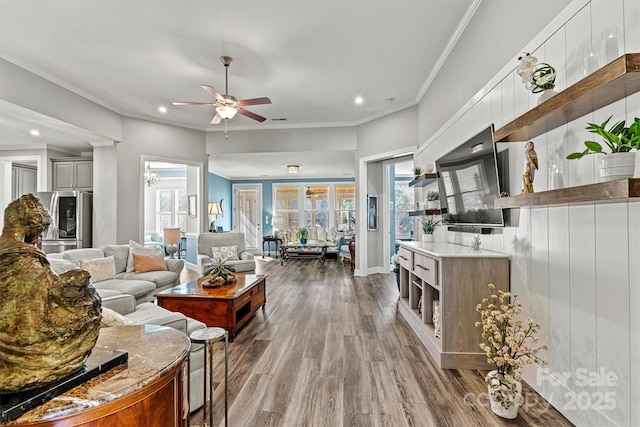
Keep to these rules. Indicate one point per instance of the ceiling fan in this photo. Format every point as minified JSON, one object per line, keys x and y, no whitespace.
{"x":226,"y":105}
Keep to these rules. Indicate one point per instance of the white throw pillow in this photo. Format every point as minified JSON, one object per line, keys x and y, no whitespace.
{"x":313,"y":233}
{"x":99,"y":268}
{"x":222,"y":254}
{"x":137,"y":248}
{"x":322,"y":234}
{"x":112,"y":318}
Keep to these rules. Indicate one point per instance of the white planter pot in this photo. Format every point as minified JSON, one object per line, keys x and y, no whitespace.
{"x":428,"y":238}
{"x":505,"y":396}
{"x":432,"y":204}
{"x":616,"y":166}
{"x":547,"y":94}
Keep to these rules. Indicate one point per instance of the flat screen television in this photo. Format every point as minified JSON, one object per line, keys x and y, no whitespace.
{"x":470,"y":182}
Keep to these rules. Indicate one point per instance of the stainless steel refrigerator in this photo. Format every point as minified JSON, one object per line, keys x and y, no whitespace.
{"x":71,"y":223}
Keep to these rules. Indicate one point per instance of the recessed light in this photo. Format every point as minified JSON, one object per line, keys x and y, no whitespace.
{"x":358,"y":100}
{"x":162,"y":109}
{"x":34,"y":132}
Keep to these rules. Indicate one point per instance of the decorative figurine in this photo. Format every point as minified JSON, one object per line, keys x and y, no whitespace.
{"x":48,"y":323}
{"x":475,"y":243}
{"x":530,"y":167}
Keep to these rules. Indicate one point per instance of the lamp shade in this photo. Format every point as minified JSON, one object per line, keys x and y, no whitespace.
{"x":171,"y":236}
{"x":214,"y":208}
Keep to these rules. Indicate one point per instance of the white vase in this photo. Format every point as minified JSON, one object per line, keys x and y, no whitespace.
{"x":505,"y":394}
{"x":616,"y":166}
{"x":432,"y":204}
{"x":428,"y":238}
{"x":546,"y":94}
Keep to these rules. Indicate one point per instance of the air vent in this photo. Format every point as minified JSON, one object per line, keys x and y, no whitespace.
{"x":281,"y":119}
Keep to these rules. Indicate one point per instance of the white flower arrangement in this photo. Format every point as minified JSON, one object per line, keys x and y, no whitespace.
{"x":536,"y":77}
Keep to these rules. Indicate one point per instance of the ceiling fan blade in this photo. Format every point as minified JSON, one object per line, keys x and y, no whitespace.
{"x":251,"y":115}
{"x":216,"y":119}
{"x":254,"y":101}
{"x":212,"y":91}
{"x":194,"y":103}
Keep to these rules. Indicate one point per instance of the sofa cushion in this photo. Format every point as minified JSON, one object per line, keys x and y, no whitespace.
{"x":221,"y":254}
{"x":76,"y":255}
{"x":107,"y":293}
{"x":150,"y":314}
{"x":145,"y":263}
{"x":120,"y":254}
{"x":112,"y":318}
{"x":161,"y":279}
{"x":138,"y":249}
{"x":99,"y":268}
{"x":60,"y":265}
{"x":137,"y":288}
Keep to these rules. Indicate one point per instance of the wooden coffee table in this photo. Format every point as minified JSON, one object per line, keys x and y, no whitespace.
{"x":229,"y":306}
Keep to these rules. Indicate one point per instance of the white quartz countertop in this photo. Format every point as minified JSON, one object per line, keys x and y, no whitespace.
{"x":450,"y":250}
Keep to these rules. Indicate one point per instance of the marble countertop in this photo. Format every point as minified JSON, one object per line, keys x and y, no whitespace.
{"x":450,"y":250}
{"x":153,"y":352}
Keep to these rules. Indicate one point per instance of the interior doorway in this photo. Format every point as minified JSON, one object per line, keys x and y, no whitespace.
{"x":247,"y":213}
{"x":171,"y":194}
{"x":401,"y":202}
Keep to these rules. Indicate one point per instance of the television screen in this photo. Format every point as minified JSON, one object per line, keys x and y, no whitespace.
{"x":469,"y":183}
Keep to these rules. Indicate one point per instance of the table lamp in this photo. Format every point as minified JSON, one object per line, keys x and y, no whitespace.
{"x":172,"y":238}
{"x":214,"y":211}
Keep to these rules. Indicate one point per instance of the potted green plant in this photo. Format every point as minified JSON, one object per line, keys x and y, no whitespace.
{"x":622,"y":143}
{"x":302,"y":234}
{"x":429,"y":225}
{"x":417,"y":172}
{"x":432,"y":199}
{"x":510,"y":344}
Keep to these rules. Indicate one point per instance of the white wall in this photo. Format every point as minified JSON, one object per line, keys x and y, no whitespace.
{"x":574,"y":267}
{"x":143,"y":139}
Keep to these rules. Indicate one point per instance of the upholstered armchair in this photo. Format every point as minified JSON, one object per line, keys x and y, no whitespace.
{"x":347,"y":249}
{"x":243,"y":262}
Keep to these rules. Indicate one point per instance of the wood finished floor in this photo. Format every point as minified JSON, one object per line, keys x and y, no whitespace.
{"x":331,"y":349}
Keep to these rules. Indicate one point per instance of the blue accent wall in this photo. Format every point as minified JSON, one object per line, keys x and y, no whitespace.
{"x":220,"y":188}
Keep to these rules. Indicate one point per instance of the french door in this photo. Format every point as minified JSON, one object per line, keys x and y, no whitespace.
{"x":247,"y":213}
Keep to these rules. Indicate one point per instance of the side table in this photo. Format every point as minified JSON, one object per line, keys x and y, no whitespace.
{"x":268,"y":240}
{"x":208,"y":337}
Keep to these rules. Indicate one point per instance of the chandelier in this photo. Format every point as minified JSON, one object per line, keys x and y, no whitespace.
{"x":150,"y":178}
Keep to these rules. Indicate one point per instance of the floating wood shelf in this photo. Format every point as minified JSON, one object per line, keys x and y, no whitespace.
{"x":424,"y":179}
{"x":612,"y":191}
{"x":426,"y":212}
{"x":613,"y":82}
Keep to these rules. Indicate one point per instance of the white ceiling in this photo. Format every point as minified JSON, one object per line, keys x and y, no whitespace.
{"x":310,"y":58}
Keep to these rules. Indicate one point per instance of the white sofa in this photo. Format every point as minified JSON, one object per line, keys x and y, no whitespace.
{"x":245,"y":262}
{"x":150,"y":314}
{"x":142,"y":286}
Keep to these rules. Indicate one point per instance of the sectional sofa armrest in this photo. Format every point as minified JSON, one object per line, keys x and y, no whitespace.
{"x":175,"y":265}
{"x":201,"y":260}
{"x":246,"y":256}
{"x":123,"y":303}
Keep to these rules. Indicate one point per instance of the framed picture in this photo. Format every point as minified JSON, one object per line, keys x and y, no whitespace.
{"x":193,"y":205}
{"x":372,"y":212}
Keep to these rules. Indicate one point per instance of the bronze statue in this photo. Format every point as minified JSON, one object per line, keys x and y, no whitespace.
{"x":48,"y":323}
{"x":530,"y":167}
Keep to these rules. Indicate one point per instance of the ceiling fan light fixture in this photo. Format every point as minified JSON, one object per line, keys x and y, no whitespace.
{"x":226,"y":112}
{"x":293,"y":168}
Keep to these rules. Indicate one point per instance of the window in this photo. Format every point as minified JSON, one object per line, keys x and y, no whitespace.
{"x":345,"y":212}
{"x":316,"y":207}
{"x":404,"y":204}
{"x":287,"y":202}
{"x":324,"y":206}
{"x":171,"y":208}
